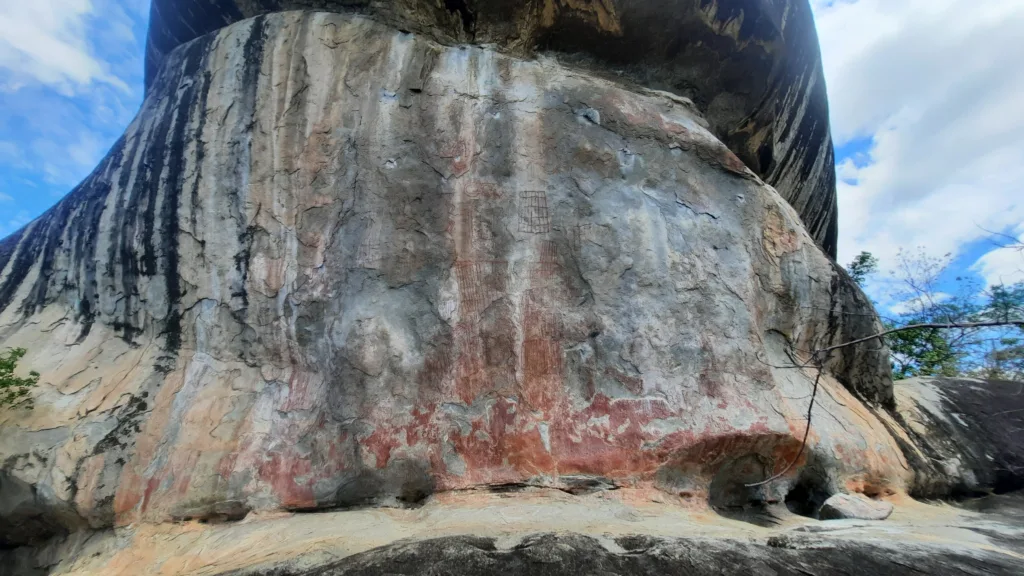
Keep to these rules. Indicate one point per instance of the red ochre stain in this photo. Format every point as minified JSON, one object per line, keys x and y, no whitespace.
{"x":282,"y":472}
{"x":501,"y":441}
{"x":151,"y":486}
{"x":542,"y":373}
{"x":380,"y":444}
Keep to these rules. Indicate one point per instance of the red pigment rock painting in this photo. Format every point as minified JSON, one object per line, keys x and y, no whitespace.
{"x":542,"y":372}
{"x":471,"y":377}
{"x":483,"y":190}
{"x":580,"y":235}
{"x":475,"y":241}
{"x":547,"y":265}
{"x":458,"y":156}
{"x":480,"y":283}
{"x":450,"y":208}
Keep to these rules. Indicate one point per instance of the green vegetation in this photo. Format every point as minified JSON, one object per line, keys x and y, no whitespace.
{"x":863,"y":265}
{"x":952,"y":345}
{"x":14,"y":391}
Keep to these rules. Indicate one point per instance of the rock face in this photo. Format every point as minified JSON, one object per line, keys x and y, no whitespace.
{"x":845,"y":506}
{"x":558,"y":555}
{"x":337,"y":262}
{"x":547,"y":533}
{"x":751,"y":66}
{"x":333,"y":263}
{"x":962,"y":437}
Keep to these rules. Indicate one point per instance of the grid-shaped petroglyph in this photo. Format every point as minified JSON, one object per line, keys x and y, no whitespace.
{"x":580,"y":234}
{"x":466,"y":213}
{"x":547,"y":265}
{"x":540,"y":319}
{"x":534,"y":217}
{"x":483,"y":238}
{"x":480,"y":283}
{"x":542,"y":357}
{"x":475,"y":239}
{"x":437,"y":366}
{"x":370,"y":252}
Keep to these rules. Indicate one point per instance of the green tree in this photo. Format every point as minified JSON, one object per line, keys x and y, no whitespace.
{"x":921,"y":352}
{"x":863,"y":265}
{"x":952,"y":344}
{"x":14,"y":391}
{"x":1004,"y":362}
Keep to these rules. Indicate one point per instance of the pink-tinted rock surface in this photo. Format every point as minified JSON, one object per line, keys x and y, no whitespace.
{"x":336,"y":264}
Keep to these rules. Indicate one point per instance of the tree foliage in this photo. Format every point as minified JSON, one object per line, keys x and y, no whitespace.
{"x":863,"y":265}
{"x":14,"y":390}
{"x":917,"y":287}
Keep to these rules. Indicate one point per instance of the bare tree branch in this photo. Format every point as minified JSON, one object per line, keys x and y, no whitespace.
{"x":819,"y":357}
{"x":803,"y":444}
{"x":938,"y":326}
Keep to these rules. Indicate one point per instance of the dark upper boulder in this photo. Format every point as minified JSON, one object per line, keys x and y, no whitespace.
{"x":752,"y":66}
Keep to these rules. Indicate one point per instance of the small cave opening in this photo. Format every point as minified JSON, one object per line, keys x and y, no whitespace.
{"x":1007,"y":481}
{"x":806,"y":497}
{"x":729,"y":488}
{"x":765,"y":157}
{"x":731,"y":496}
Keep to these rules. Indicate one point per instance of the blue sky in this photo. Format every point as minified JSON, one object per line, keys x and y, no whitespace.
{"x":70,"y":82}
{"x":928,"y":119}
{"x":927,"y":101}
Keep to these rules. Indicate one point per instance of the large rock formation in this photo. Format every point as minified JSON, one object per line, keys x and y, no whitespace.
{"x":962,"y":437}
{"x":751,"y":66}
{"x":340,"y":260}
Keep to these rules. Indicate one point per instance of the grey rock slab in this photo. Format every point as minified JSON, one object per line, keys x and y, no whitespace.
{"x":854,"y":507}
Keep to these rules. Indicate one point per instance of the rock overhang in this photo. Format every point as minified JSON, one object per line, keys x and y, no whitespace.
{"x":752,"y":67}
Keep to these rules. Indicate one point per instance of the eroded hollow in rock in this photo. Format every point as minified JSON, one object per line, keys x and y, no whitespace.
{"x":404,"y":483}
{"x":729,"y":490}
{"x":731,"y":496}
{"x":808,"y":494}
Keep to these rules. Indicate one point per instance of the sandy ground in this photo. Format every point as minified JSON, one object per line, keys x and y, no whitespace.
{"x":306,"y":540}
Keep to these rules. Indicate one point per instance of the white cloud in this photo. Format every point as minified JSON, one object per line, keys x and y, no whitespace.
{"x":936,"y":85}
{"x":70,"y":81}
{"x":919,"y":303}
{"x":1003,"y":265}
{"x":46,"y":41}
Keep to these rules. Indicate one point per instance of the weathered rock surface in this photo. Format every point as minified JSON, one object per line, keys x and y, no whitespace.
{"x":962,"y":437}
{"x":751,"y":66}
{"x":559,"y":555}
{"x":548,"y":532}
{"x":336,"y":262}
{"x":850,"y":507}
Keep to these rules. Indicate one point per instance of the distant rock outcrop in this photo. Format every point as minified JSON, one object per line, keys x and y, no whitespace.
{"x":962,"y":437}
{"x":342,"y":259}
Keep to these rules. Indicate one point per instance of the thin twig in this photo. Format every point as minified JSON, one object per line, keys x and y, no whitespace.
{"x":819,"y":357}
{"x":803,"y":444}
{"x":940,"y":326}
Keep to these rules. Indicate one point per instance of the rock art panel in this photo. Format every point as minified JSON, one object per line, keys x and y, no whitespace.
{"x":336,"y":263}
